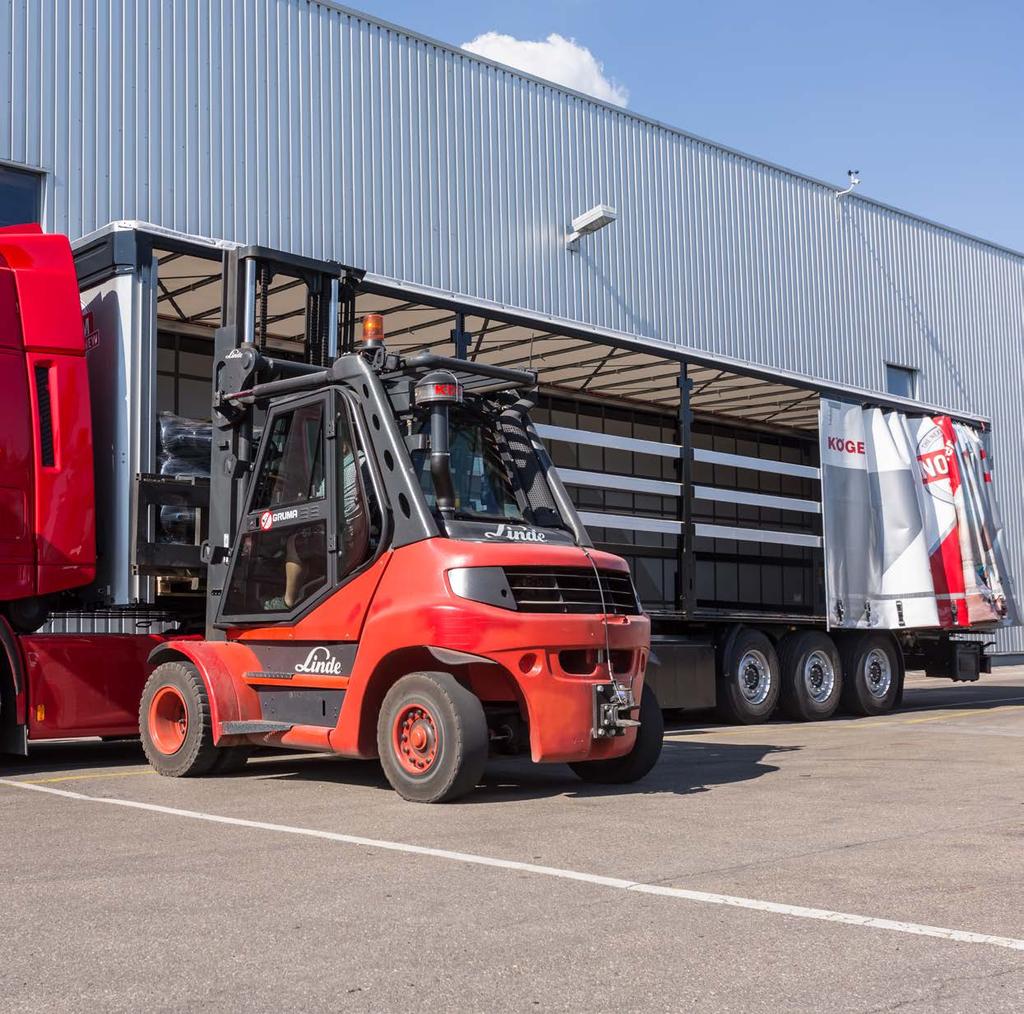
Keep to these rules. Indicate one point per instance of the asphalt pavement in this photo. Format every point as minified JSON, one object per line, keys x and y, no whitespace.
{"x":855,"y":865}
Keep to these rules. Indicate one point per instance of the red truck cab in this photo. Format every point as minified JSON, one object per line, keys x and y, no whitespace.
{"x":47,"y":501}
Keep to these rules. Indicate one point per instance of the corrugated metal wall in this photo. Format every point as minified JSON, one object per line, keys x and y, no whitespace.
{"x":301,"y":125}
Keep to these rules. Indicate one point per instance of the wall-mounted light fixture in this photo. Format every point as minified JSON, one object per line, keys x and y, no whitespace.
{"x":590,"y":221}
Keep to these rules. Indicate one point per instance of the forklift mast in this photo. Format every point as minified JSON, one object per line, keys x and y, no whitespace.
{"x":399,"y":408}
{"x":242,"y":358}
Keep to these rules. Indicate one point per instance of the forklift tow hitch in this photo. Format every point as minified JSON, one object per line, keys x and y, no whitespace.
{"x":614,"y":705}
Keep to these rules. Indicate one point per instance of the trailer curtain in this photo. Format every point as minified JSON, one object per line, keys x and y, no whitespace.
{"x":911,"y":531}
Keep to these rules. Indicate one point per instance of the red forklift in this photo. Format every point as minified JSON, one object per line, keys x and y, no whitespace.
{"x":392,"y":566}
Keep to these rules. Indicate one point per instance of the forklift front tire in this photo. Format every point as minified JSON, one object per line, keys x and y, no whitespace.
{"x":432,"y":738}
{"x":632,"y":766}
{"x":174,"y":722}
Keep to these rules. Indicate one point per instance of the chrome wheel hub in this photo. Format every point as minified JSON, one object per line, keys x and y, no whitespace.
{"x":878,"y":673}
{"x":755,"y":676}
{"x":819,"y":676}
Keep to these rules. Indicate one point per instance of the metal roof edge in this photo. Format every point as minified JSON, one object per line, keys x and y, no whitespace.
{"x":134,"y":225}
{"x":661,"y":125}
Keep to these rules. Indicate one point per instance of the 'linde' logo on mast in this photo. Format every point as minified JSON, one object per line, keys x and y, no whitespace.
{"x":320,"y":662}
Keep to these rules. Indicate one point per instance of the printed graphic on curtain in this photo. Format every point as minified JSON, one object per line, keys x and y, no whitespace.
{"x":912,"y":536}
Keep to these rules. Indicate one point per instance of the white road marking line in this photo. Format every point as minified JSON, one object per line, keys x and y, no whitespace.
{"x":822,"y":914}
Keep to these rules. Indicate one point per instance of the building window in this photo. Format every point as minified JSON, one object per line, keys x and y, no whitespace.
{"x":21,"y":194}
{"x":901,"y":381}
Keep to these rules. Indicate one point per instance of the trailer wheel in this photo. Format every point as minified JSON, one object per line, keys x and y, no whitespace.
{"x":748,"y":678}
{"x":812,"y":676}
{"x":631,"y":767}
{"x":432,"y":738}
{"x":873,"y":664}
{"x":174,"y":722}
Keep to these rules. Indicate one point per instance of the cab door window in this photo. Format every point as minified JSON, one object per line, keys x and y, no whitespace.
{"x":282,"y":557}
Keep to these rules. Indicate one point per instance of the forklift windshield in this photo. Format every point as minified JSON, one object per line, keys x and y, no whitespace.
{"x":484,"y":490}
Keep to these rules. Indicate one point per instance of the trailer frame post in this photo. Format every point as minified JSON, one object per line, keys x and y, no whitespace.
{"x":231,"y":444}
{"x":461,"y":337}
{"x":688,"y":560}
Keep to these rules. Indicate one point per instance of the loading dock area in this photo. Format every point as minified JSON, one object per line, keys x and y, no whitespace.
{"x":865,"y":864}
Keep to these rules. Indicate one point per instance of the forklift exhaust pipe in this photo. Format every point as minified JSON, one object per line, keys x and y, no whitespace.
{"x":437,"y":390}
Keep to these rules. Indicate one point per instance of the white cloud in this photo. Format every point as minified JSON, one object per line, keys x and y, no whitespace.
{"x":557,"y":59}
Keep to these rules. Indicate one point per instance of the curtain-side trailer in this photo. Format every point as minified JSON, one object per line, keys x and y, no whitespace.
{"x":710,"y":476}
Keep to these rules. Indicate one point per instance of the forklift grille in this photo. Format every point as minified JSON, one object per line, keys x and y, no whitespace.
{"x":571,"y":590}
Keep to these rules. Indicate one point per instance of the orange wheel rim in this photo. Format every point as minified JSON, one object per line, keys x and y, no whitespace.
{"x":415,"y":739}
{"x":168,"y":720}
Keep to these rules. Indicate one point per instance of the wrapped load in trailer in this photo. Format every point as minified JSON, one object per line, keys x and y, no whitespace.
{"x":912,"y":537}
{"x":185,"y":446}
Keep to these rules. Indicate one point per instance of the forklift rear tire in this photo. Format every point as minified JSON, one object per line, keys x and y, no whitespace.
{"x":748,"y":683}
{"x":812,"y":676}
{"x":432,"y":738}
{"x":174,"y":722}
{"x":230,"y":760}
{"x":873,"y":667}
{"x":632,"y":766}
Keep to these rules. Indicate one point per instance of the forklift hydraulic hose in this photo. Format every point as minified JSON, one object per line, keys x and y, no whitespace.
{"x":440,"y":467}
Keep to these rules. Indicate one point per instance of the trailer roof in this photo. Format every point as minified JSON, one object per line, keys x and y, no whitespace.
{"x":622,"y":365}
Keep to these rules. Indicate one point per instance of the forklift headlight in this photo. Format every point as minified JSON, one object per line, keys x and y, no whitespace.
{"x":482,"y":584}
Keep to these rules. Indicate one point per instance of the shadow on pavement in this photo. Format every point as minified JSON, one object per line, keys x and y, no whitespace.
{"x":684,"y":768}
{"x":71,"y":756}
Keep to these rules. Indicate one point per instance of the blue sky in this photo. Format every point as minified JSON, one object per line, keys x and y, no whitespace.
{"x":925,"y":99}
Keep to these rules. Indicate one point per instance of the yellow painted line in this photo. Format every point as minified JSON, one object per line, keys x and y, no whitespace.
{"x":77,"y":778}
{"x":973,"y":713}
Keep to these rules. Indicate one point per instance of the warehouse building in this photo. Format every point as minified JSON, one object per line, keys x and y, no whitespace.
{"x":306,"y":126}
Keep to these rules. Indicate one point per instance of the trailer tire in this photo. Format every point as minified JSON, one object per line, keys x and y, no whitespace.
{"x":632,"y":766}
{"x":432,"y":738}
{"x":175,"y":724}
{"x":812,"y":676}
{"x":747,"y":685}
{"x":873,"y":668}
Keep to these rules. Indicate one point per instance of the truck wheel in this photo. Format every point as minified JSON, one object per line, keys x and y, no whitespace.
{"x":812,"y":675}
{"x":748,"y":678}
{"x":632,"y":766}
{"x":432,"y":738}
{"x":174,"y":722}
{"x":873,"y":667}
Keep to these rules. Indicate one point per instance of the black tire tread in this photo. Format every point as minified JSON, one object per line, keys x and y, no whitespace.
{"x":633,"y":766}
{"x":470,"y":738}
{"x":791,"y":698}
{"x":728,"y":708}
{"x":852,"y":648}
{"x":198,"y":755}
